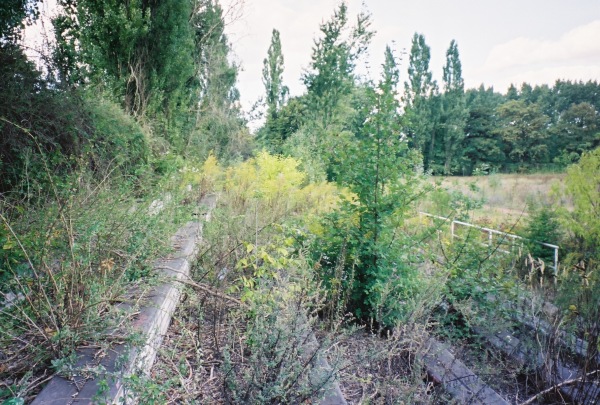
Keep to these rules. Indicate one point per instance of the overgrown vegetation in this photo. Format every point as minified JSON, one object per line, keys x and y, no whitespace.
{"x":107,"y":148}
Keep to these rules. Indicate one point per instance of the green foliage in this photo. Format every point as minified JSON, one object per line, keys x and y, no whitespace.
{"x":578,"y":131}
{"x":331,"y":90}
{"x":334,"y":57}
{"x":542,"y":226}
{"x":363,"y":251}
{"x":523,"y":129}
{"x":71,"y":258}
{"x":219,"y":127}
{"x":116,"y":140}
{"x":13,"y":14}
{"x":272,"y":78}
{"x":481,"y":146}
{"x":452,"y":203}
{"x":281,"y":361}
{"x":477,"y":281}
{"x":583,"y":222}
{"x":454,"y":109}
{"x":141,"y":52}
{"x":281,"y":126}
{"x":273,"y":133}
{"x":421,"y":100}
{"x":34,"y":121}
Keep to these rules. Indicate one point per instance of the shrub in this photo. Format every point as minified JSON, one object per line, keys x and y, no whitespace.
{"x":542,"y":226}
{"x":281,"y":357}
{"x":69,"y":260}
{"x":115,"y":139}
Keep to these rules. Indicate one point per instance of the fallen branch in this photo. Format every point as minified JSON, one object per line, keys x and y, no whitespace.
{"x":206,"y":289}
{"x":556,"y":386}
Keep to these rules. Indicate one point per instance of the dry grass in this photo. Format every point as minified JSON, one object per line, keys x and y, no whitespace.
{"x":507,"y":196}
{"x":188,"y":366}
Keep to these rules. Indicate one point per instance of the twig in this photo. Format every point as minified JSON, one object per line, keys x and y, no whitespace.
{"x":204,"y":288}
{"x":554,"y":387}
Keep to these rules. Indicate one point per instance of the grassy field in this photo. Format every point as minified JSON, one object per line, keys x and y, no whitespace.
{"x":506,"y":197}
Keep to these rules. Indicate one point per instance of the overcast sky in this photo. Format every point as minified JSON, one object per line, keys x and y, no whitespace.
{"x":500,"y":41}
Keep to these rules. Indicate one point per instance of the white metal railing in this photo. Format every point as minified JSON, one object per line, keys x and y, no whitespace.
{"x":492,"y":232}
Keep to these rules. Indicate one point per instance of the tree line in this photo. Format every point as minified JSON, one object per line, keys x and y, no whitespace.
{"x":457,"y":131}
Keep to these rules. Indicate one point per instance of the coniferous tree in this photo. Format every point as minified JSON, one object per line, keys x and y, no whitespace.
{"x":379,"y":170}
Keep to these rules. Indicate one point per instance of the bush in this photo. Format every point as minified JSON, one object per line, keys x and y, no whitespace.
{"x":281,"y":357}
{"x":44,"y":130}
{"x":116,"y":140}
{"x":69,"y":260}
{"x":542,"y":226}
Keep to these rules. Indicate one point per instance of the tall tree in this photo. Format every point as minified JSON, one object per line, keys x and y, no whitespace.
{"x":330,"y":76}
{"x":577,"y":131}
{"x":523,"y":129}
{"x":272,"y":135}
{"x":140,"y":52}
{"x":482,"y":145}
{"x":13,"y":16}
{"x":379,"y":170}
{"x":272,"y":75}
{"x":331,"y":84}
{"x":454,"y":108}
{"x":419,"y":93}
{"x":220,"y":128}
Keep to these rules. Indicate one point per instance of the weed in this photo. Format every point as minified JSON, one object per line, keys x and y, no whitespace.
{"x":69,"y":260}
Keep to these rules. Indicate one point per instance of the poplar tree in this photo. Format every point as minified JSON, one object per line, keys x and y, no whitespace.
{"x":420,"y":92}
{"x":220,"y":128}
{"x":454,"y":109}
{"x":272,"y":75}
{"x":272,"y":135}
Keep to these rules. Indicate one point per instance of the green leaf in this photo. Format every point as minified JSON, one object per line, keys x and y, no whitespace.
{"x":14,"y":401}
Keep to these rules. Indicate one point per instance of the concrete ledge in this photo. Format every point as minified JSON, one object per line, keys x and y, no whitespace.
{"x":587,"y":392}
{"x":100,"y":375}
{"x":321,"y":370}
{"x":458,"y":380}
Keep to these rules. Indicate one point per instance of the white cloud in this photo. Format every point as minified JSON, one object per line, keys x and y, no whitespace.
{"x":579,"y":44}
